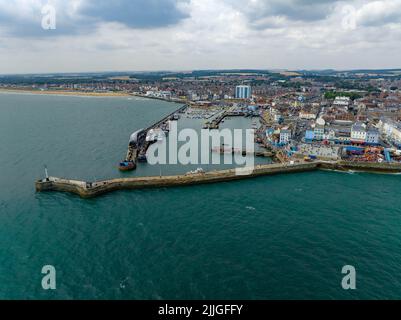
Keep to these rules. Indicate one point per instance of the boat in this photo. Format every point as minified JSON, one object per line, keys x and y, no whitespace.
{"x":155,"y":135}
{"x":151,"y":136}
{"x":142,"y":158}
{"x":195,"y":172}
{"x":135,"y":137}
{"x":127,"y":166}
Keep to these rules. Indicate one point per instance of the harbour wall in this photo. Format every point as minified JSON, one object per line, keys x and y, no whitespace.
{"x":90,"y":190}
{"x":384,"y":167}
{"x":87,"y":190}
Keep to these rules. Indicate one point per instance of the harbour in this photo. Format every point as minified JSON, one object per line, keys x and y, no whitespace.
{"x":189,"y":151}
{"x":286,"y":158}
{"x":309,"y":222}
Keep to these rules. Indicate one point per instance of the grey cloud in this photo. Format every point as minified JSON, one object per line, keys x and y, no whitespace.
{"x":296,"y":10}
{"x":145,"y":14}
{"x":135,"y":13}
{"x":380,"y":20}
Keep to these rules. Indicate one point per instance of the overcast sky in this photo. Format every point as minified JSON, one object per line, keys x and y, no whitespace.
{"x":136,"y":35}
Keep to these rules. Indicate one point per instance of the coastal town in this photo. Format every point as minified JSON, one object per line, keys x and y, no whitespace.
{"x":302,"y":116}
{"x":302,"y":122}
{"x":200,"y":158}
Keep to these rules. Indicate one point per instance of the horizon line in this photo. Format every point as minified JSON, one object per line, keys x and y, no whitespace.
{"x":274,"y":70}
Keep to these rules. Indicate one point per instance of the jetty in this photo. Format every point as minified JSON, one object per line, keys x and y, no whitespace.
{"x":138,"y":144}
{"x":94,"y":189}
{"x":215,"y":123}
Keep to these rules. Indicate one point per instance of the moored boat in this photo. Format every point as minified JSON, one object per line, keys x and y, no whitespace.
{"x":127,"y":166}
{"x":142,"y":158}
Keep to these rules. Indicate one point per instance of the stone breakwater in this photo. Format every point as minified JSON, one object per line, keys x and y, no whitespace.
{"x":90,"y":190}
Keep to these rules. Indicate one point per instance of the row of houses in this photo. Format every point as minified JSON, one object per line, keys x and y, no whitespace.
{"x":279,"y":137}
{"x":358,"y":133}
{"x":390,"y":129}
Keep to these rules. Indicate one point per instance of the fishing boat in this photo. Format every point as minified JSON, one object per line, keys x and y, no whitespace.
{"x":127,"y":166}
{"x":151,"y":136}
{"x":155,"y":135}
{"x":142,"y":158}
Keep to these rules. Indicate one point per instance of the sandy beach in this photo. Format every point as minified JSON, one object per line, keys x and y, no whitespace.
{"x":66,"y":92}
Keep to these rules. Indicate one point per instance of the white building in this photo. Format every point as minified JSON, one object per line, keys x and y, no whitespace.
{"x":243,"y":92}
{"x":307,"y":115}
{"x":319,"y":129}
{"x":372,"y":136}
{"x":159,"y":94}
{"x":391,"y":129}
{"x":358,"y":132}
{"x":342,"y":101}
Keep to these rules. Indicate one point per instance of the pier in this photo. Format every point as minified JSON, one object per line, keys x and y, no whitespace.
{"x":215,"y":123}
{"x":94,"y":189}
{"x":140,"y":145}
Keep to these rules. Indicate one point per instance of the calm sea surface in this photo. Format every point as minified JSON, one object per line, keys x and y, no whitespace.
{"x":279,"y":237}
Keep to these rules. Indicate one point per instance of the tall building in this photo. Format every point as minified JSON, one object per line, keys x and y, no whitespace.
{"x":243,"y":92}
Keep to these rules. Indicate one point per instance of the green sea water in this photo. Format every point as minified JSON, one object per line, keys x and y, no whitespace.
{"x":278,"y":237}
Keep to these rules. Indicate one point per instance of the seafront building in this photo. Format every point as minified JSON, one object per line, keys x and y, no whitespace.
{"x":358,"y":132}
{"x":319,"y":129}
{"x":372,"y":136}
{"x":390,"y":129}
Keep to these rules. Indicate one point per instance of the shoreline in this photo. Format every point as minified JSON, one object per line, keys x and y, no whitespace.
{"x":66,"y":93}
{"x":178,"y":101}
{"x":88,"y":94}
{"x":91,"y":190}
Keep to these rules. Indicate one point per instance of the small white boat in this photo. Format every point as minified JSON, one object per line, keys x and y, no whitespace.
{"x":155,"y":135}
{"x":197,"y":171}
